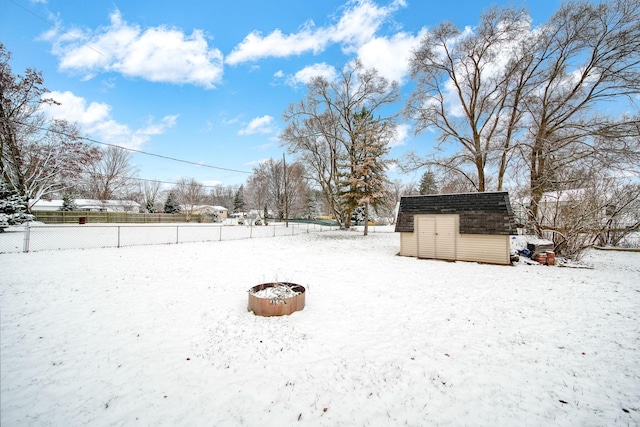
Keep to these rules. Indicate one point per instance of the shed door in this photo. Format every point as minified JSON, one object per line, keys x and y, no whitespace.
{"x":426,"y":237}
{"x":436,"y":236}
{"x":446,"y":237}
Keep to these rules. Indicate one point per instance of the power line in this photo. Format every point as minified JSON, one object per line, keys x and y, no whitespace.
{"x":135,"y":178}
{"x":55,"y":26}
{"x":132,"y":149}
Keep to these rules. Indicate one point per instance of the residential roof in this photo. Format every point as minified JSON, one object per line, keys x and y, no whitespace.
{"x":480,"y":213}
{"x":83,"y":203}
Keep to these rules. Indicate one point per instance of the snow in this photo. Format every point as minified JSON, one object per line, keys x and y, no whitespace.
{"x":161,"y":335}
{"x":278,"y":291}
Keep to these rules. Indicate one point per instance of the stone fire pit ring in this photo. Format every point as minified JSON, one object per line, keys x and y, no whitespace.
{"x":276,"y":299}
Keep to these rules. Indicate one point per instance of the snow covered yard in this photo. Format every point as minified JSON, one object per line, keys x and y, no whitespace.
{"x":160,"y":335}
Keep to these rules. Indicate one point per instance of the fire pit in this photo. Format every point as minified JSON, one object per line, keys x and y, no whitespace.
{"x":276,"y":299}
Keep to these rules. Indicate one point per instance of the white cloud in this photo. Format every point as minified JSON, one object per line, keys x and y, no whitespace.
{"x":263,"y":125}
{"x":402,"y":133}
{"x":390,"y":56}
{"x":305,"y":75}
{"x":157,"y":54}
{"x":95,"y":118}
{"x":357,"y":25}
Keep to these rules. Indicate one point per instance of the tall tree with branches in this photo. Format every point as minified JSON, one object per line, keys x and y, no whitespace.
{"x":467,"y":89}
{"x":189,"y":193}
{"x":366,"y":184}
{"x":38,"y":156}
{"x":321,"y":131}
{"x":275,"y":184}
{"x":586,"y":58}
{"x":112,"y":176}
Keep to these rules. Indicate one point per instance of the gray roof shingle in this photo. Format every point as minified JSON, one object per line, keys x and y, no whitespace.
{"x":480,"y":213}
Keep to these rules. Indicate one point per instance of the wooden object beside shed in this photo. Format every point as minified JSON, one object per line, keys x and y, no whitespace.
{"x":457,"y":227}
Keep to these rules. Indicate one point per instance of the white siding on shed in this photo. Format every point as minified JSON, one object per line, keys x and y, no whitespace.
{"x":408,"y":244}
{"x":484,"y":248}
{"x":438,"y":237}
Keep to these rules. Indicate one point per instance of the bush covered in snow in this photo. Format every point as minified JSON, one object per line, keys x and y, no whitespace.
{"x":12,"y":207}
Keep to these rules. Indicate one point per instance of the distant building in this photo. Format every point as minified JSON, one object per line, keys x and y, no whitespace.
{"x":209,"y":210}
{"x":90,"y":205}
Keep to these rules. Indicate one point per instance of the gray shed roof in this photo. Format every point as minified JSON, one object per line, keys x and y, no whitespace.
{"x":480,"y":213}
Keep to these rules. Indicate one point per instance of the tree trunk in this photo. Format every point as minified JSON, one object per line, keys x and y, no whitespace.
{"x":366,"y":219}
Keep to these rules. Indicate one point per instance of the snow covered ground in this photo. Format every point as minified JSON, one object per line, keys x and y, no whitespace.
{"x":160,"y":335}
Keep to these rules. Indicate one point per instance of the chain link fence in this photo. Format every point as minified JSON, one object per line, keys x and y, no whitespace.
{"x":32,"y":238}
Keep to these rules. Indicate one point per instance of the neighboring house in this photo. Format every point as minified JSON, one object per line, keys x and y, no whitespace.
{"x":208,"y":210}
{"x":47,"y":205}
{"x":585,"y":204}
{"x":90,"y":205}
{"x":457,"y":227}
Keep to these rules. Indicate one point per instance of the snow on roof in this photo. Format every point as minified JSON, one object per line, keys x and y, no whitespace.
{"x":53,"y":204}
{"x":84,"y":203}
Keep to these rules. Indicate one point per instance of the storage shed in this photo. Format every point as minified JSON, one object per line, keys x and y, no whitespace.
{"x":465,"y":227}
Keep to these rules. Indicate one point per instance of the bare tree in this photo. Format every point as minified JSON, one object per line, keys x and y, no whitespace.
{"x":465,"y":90}
{"x":559,"y":100}
{"x":223,"y":196}
{"x":38,"y":156}
{"x":272,"y":181}
{"x":189,"y":194}
{"x":320,"y":127}
{"x":150,"y":192}
{"x":112,"y":176}
{"x":586,"y":57}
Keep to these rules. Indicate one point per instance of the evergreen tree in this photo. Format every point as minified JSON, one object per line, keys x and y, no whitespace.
{"x":238,"y":200}
{"x":366,"y":184}
{"x":68,"y":203}
{"x":357,"y":216}
{"x":150,"y":206}
{"x":12,"y":207}
{"x":171,"y":206}
{"x":428,"y":184}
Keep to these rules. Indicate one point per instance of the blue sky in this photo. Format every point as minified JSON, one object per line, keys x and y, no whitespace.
{"x":207,"y":81}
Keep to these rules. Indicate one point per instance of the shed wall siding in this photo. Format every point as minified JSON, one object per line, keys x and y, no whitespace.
{"x":483,"y":248}
{"x":408,"y":244}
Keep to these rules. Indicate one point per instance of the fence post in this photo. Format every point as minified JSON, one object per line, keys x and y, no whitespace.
{"x":118,"y":236}
{"x":274,"y":230}
{"x":177,"y":234}
{"x":27,"y":235}
{"x":220,"y":234}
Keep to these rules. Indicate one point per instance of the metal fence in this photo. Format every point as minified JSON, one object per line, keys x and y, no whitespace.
{"x":33,"y":238}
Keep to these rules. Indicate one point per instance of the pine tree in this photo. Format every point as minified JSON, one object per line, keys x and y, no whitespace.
{"x":150,"y":206}
{"x":68,"y":203}
{"x":367,"y":184}
{"x":238,"y":200}
{"x":428,"y":184}
{"x":171,"y":206}
{"x":12,"y":207}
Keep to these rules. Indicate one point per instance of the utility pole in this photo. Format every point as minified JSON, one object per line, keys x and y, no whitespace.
{"x":286,"y":197}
